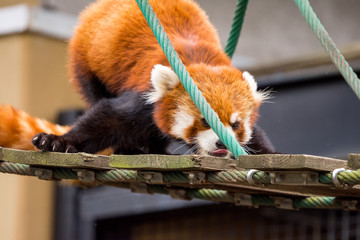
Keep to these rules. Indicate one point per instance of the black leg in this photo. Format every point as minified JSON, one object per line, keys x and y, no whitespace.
{"x":260,"y":143}
{"x":124,"y":123}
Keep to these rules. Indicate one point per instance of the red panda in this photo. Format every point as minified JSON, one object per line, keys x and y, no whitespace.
{"x":137,"y":103}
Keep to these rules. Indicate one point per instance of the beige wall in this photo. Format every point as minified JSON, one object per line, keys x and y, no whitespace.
{"x":47,"y":89}
{"x":26,"y":208}
{"x":4,"y":3}
{"x":34,"y":72}
{"x":33,"y":78}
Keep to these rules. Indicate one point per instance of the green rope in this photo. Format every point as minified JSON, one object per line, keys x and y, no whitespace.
{"x":116,"y":175}
{"x":351,"y":177}
{"x":329,"y":46}
{"x":346,"y":177}
{"x":227,"y":176}
{"x":236,"y":27}
{"x":325,"y":178}
{"x":17,"y":168}
{"x":187,"y":81}
{"x":122,"y":178}
{"x":314,"y":202}
{"x":236,"y":176}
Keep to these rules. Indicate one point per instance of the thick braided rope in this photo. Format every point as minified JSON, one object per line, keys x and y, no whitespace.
{"x":263,"y":200}
{"x":17,"y":168}
{"x":347,"y":177}
{"x":236,"y":27}
{"x":187,"y":81}
{"x":315,"y":202}
{"x":117,"y":175}
{"x":236,"y":176}
{"x":329,"y":46}
{"x":210,"y":194}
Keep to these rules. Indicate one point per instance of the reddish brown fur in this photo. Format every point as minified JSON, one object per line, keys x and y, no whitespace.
{"x":17,"y":128}
{"x":224,"y":90}
{"x":124,"y":54}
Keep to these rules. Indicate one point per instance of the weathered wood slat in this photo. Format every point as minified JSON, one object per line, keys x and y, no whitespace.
{"x":290,"y":162}
{"x":171,"y":162}
{"x":179,"y":162}
{"x":354,"y":161}
{"x":53,"y":159}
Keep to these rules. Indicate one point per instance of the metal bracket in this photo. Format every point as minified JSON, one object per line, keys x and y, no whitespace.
{"x":151,"y":177}
{"x":178,"y":193}
{"x":196,"y":177}
{"x":283,"y":203}
{"x":85,"y":175}
{"x":44,"y":174}
{"x":244,"y":200}
{"x":295,"y":178}
{"x":335,"y":180}
{"x":249,"y":176}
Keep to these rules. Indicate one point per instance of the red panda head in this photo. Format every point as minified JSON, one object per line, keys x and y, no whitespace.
{"x":231,"y":93}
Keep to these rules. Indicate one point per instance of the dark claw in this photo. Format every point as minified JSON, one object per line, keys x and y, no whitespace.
{"x":52,"y":143}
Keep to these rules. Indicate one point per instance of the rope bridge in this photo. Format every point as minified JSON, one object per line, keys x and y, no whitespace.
{"x":283,"y":181}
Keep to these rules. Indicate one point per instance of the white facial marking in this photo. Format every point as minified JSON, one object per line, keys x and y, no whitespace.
{"x":253,"y":86}
{"x":247,"y":130}
{"x":182,"y":122}
{"x":207,"y":140}
{"x":234,"y":117}
{"x":163,"y":80}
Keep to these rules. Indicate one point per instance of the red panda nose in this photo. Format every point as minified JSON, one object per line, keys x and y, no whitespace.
{"x":220,"y":145}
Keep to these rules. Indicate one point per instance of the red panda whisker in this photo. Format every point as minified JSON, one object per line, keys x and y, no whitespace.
{"x":182,"y":145}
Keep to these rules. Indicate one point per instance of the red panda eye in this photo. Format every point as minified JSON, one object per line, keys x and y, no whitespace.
{"x":235,"y":125}
{"x":205,"y":123}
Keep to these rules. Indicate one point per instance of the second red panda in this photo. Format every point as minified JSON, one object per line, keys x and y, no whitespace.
{"x":137,"y":103}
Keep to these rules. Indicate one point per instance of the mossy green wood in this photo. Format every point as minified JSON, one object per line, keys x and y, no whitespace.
{"x":75,"y":160}
{"x":171,"y":162}
{"x":290,"y":162}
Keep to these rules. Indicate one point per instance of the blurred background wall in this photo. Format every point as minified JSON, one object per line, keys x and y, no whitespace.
{"x":34,"y":76}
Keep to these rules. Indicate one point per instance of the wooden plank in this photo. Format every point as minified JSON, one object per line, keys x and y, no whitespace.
{"x":54,"y":159}
{"x":290,"y":162}
{"x":354,"y":161}
{"x":175,"y":162}
{"x":171,"y":162}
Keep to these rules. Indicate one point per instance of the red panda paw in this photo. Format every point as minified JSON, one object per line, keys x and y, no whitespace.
{"x":52,"y":143}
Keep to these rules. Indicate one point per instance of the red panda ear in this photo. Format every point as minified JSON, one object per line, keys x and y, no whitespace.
{"x":163,"y":80}
{"x":258,"y":95}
